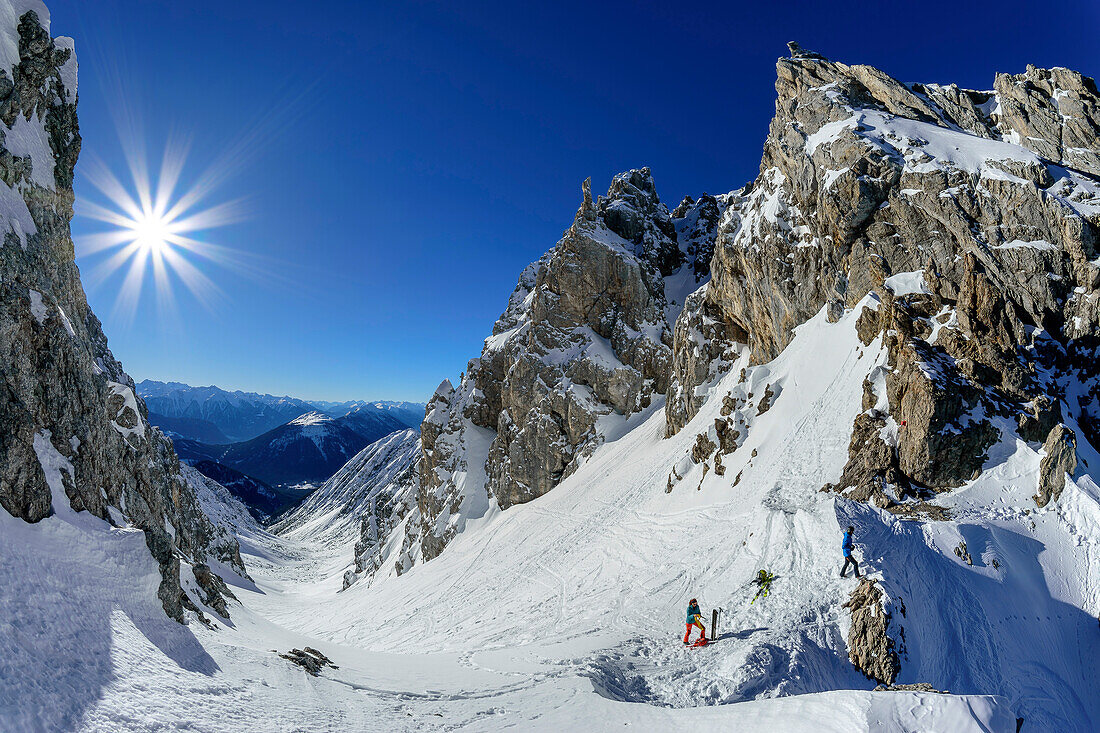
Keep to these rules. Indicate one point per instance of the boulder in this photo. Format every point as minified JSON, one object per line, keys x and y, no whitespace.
{"x":870,"y":646}
{"x":1060,"y":458}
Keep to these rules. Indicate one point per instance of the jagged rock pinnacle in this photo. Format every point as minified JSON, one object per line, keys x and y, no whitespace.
{"x":797,"y":52}
{"x":588,"y":210}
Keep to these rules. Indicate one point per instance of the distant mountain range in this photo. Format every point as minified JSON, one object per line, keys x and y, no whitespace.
{"x":191,"y":428}
{"x":216,"y":416}
{"x":308,"y":449}
{"x":238,"y":415}
{"x":268,"y":450}
{"x":263,"y":502}
{"x":411,"y":413}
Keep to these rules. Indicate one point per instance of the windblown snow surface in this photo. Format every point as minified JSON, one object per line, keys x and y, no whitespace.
{"x":566,"y":613}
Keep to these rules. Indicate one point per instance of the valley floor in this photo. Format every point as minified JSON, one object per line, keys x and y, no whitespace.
{"x":566,"y":613}
{"x":123,"y":666}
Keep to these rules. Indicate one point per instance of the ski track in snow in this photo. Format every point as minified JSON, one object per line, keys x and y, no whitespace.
{"x":568,"y":610}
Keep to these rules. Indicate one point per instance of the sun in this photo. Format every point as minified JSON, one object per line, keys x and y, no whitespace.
{"x":152,"y":233}
{"x":153,"y":229}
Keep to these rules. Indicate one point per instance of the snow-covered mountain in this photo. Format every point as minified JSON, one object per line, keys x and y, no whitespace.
{"x":894,"y":327}
{"x":308,"y":449}
{"x":239,"y":415}
{"x":262,"y":501}
{"x":376,"y":419}
{"x":584,"y":344}
{"x":363,"y":504}
{"x":190,"y":411}
{"x":410,"y":413}
{"x":899,"y":334}
{"x":189,"y":428}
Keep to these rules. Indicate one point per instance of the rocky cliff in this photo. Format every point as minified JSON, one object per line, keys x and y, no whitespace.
{"x":953,"y":231}
{"x":972,"y":219}
{"x":963,"y":226}
{"x":585,"y":342}
{"x":73,"y":435}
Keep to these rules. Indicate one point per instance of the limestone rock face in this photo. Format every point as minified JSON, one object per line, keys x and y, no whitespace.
{"x":586,"y":340}
{"x":73,"y":435}
{"x":1055,"y":112}
{"x":871,"y":646}
{"x":965,"y":224}
{"x":704,"y":347}
{"x":1060,"y":459}
{"x":872,"y":464}
{"x":849,"y":193}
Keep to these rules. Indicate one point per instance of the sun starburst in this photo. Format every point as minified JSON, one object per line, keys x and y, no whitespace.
{"x":156,"y":231}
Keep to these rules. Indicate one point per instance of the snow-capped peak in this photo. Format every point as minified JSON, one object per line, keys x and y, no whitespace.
{"x":311,"y":419}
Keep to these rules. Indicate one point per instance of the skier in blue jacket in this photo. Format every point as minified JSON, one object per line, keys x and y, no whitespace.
{"x":847,"y":546}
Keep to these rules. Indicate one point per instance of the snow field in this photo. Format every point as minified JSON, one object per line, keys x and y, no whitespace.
{"x":609,"y":555}
{"x":567,"y":612}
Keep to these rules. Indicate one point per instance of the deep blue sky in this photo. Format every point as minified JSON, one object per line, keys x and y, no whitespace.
{"x":407,"y":160}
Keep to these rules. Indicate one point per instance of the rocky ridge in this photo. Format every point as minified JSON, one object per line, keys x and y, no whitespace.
{"x":979,"y":255}
{"x":964,"y":226}
{"x":366,"y":502}
{"x":73,"y":434}
{"x":871,"y":644}
{"x":585,"y":342}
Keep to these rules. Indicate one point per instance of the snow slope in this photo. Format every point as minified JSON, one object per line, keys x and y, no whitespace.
{"x":561,"y":610}
{"x":81,"y":613}
{"x":609,"y":548}
{"x":609,"y":555}
{"x":331,"y":514}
